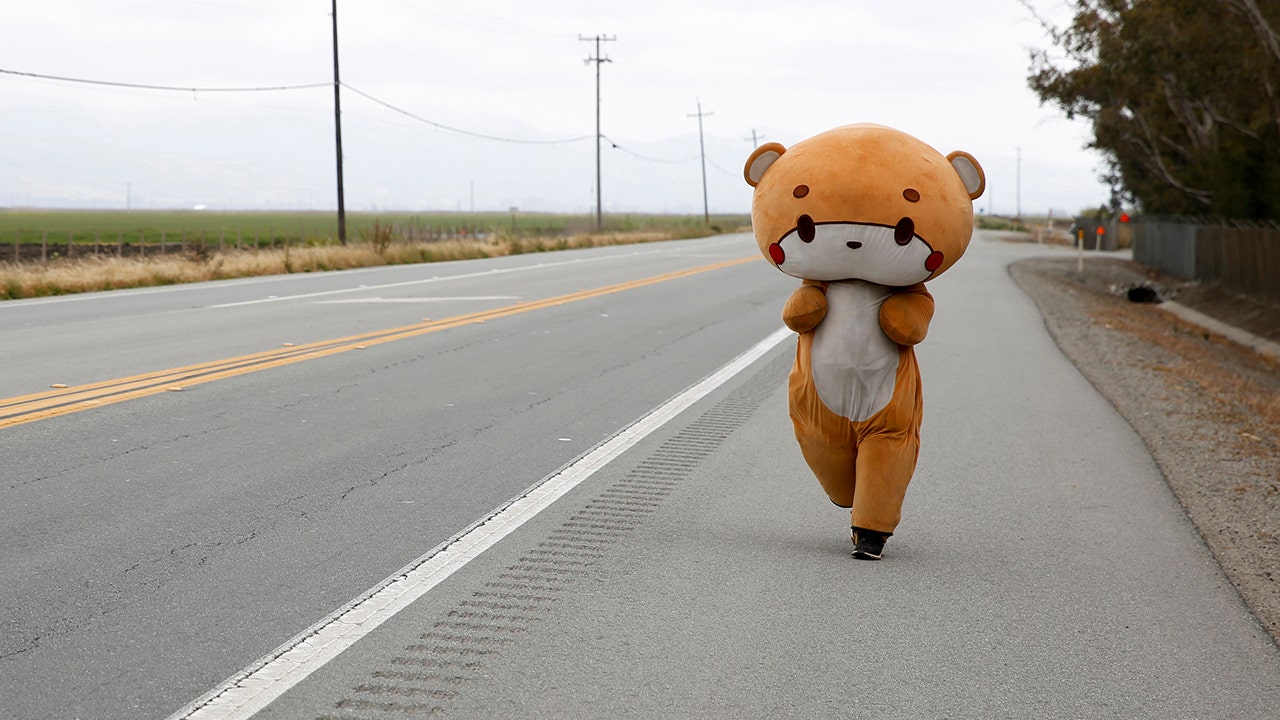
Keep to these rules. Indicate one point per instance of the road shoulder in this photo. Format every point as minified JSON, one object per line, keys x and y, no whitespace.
{"x":1206,"y":407}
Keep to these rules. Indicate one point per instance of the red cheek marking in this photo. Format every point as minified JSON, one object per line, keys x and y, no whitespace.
{"x":934,"y":261}
{"x":776,"y":254}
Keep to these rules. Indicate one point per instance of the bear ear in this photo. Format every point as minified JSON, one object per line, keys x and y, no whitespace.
{"x":970,"y":172}
{"x":760,"y":161}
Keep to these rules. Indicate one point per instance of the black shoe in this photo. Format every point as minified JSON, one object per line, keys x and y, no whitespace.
{"x":868,"y":544}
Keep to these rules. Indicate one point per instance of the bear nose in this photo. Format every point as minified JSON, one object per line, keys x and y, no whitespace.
{"x":806,"y":228}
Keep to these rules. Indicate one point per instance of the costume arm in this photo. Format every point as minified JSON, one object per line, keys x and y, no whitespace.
{"x":905,"y":315}
{"x":806,"y":307}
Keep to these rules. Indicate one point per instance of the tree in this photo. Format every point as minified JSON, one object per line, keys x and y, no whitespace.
{"x":1183,"y":96}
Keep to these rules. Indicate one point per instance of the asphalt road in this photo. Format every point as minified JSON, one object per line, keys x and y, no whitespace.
{"x":154,"y":546}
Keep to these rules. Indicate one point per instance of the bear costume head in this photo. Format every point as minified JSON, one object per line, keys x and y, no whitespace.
{"x":862,"y":202}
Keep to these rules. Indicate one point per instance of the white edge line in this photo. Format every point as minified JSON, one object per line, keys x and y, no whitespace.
{"x":411,"y":300}
{"x":255,"y":687}
{"x":407,"y":283}
{"x":436,"y":279}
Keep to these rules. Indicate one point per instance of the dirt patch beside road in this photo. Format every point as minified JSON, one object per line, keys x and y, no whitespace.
{"x":1208,"y":409}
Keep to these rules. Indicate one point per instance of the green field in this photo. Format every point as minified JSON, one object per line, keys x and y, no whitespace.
{"x":87,"y":227}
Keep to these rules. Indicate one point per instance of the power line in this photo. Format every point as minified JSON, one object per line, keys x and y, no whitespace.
{"x":648,"y":158}
{"x":308,"y":86}
{"x":598,"y":59}
{"x":170,"y":88}
{"x":460,"y":131}
{"x":731,"y":173}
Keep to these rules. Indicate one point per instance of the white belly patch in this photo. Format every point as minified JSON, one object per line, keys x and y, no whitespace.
{"x":855,"y":364}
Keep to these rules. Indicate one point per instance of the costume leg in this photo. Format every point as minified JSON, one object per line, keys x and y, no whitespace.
{"x":833,"y":464}
{"x":887,"y":453}
{"x":826,"y":440}
{"x":884,"y":467}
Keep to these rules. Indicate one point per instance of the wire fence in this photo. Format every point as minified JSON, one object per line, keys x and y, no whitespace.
{"x":1241,"y":257}
{"x":42,"y":246}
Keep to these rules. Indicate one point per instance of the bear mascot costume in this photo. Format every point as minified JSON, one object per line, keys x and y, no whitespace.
{"x":863,"y":215}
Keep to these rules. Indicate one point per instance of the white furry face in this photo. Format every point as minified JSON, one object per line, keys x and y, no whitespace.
{"x":887,"y":255}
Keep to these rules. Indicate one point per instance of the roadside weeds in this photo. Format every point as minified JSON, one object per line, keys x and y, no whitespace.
{"x":62,"y":277}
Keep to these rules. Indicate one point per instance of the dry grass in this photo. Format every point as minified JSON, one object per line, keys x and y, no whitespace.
{"x":62,"y":277}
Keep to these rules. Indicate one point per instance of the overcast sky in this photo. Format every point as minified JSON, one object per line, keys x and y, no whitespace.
{"x":951,"y":73}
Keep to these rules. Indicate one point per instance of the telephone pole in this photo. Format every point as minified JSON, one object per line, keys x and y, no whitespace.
{"x":597,"y":59}
{"x":706,"y":210}
{"x":337,"y":130}
{"x":755,"y":138}
{"x":1019,"y":215}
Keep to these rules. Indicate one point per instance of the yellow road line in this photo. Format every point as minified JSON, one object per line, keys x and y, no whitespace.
{"x":40,"y":406}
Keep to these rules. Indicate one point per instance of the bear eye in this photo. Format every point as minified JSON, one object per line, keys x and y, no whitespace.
{"x":905,"y":231}
{"x":911,"y":194}
{"x":800,"y":191}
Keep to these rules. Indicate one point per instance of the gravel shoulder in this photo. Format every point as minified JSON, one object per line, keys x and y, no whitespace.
{"x":1208,"y":409}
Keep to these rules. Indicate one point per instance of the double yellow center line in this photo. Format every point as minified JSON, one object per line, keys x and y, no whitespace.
{"x":62,"y":401}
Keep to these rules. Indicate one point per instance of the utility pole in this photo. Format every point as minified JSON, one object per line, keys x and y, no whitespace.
{"x":755,"y":139}
{"x":1019,"y":195}
{"x":706,"y":210}
{"x":598,"y":59}
{"x":337,"y":130}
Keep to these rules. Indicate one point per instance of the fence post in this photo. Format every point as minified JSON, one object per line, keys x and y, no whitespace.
{"x":70,"y":237}
{"x":142,"y":243}
{"x":120,"y":243}
{"x":95,"y":243}
{"x":44,"y":246}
